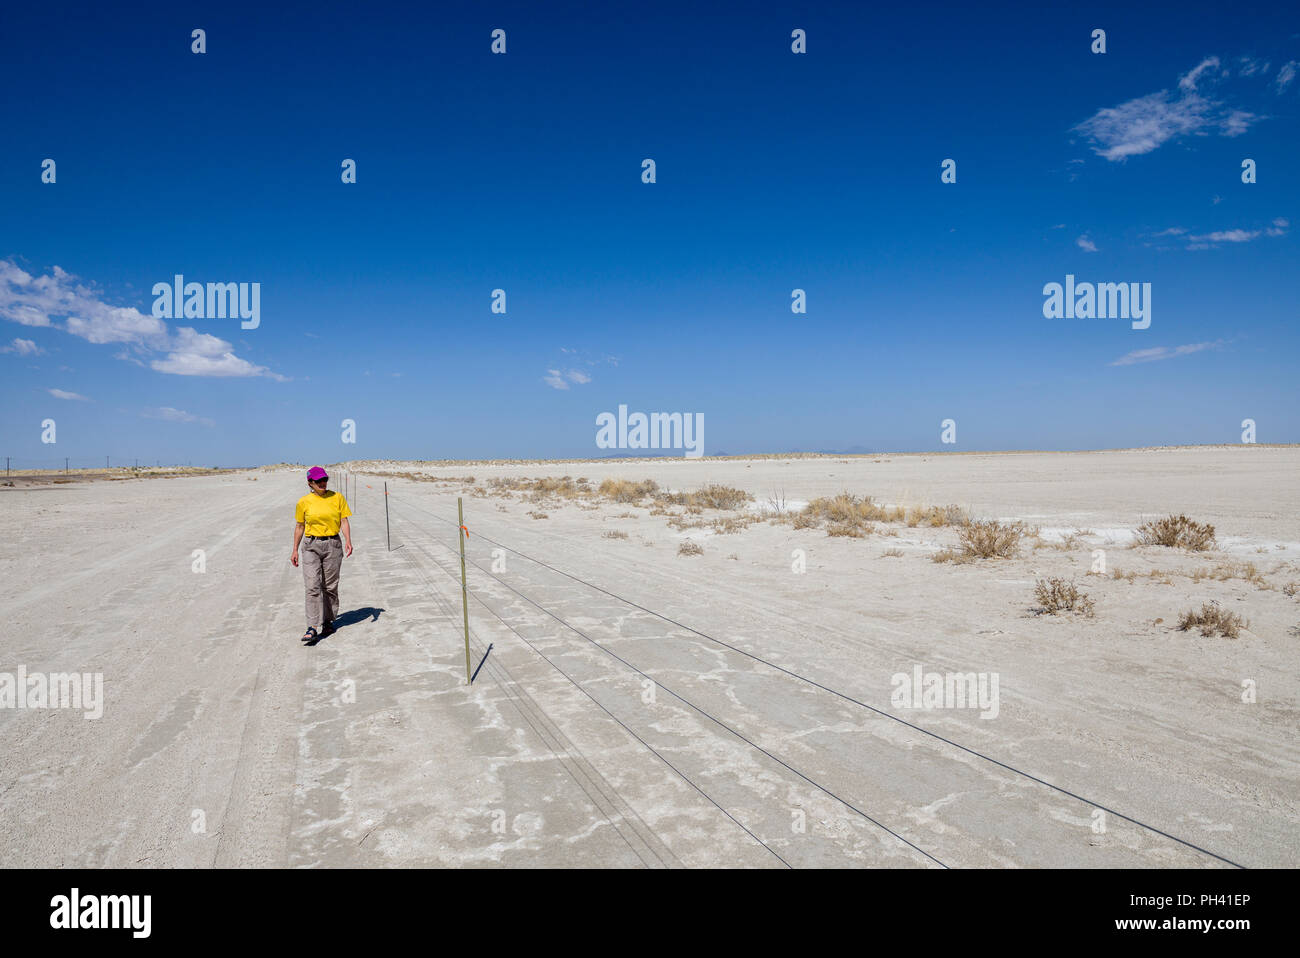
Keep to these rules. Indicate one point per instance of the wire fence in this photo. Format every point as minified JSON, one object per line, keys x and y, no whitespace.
{"x":483,"y":539}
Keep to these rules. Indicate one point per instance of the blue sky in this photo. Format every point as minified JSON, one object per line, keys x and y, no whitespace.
{"x":522,"y":171}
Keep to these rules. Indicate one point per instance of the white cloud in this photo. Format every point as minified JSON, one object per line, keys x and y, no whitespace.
{"x":1237,"y":123}
{"x":1189,"y":79}
{"x":44,"y":300}
{"x":1157,"y":353}
{"x":23,"y":347}
{"x":1250,"y":66}
{"x":200,"y":354}
{"x":1085,"y":244}
{"x":1145,"y":123}
{"x":1285,"y":74}
{"x":578,"y":377}
{"x":555,"y":379}
{"x":64,"y":394}
{"x":171,"y":414}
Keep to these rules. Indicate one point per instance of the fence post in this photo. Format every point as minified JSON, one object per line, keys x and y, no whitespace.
{"x":387,"y":534}
{"x":464,"y":591}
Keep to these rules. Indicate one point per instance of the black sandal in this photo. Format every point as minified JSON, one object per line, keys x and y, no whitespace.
{"x":310,"y":635}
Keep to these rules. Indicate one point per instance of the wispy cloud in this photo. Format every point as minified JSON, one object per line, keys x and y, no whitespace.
{"x":1085,"y":244}
{"x":555,"y":379}
{"x":170,"y":414}
{"x":64,"y":394}
{"x":23,"y":347}
{"x":1157,"y":353}
{"x":1285,"y":75}
{"x":61,"y":301}
{"x":1210,"y":240}
{"x":1146,"y":123}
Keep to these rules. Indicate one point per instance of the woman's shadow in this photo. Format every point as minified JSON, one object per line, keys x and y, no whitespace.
{"x":349,"y":618}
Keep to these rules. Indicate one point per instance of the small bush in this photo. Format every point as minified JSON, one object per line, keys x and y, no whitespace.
{"x":1211,"y":619}
{"x":1056,"y":595}
{"x":690,"y":548}
{"x":710,"y":497}
{"x":621,"y":490}
{"x":1177,"y":532}
{"x":614,"y":534}
{"x":854,"y":530}
{"x":990,"y":539}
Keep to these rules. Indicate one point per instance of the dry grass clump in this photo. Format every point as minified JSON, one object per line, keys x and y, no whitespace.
{"x":1213,"y":618}
{"x":847,"y":508}
{"x":936,"y":516}
{"x":725,"y":525}
{"x":546,"y":487}
{"x":853,"y":530}
{"x":892,"y":554}
{"x":1056,"y":595}
{"x":623,"y":490}
{"x":990,"y":539}
{"x":690,"y":548}
{"x":709,"y":497}
{"x":1233,"y":570}
{"x":1177,"y":532}
{"x":538,"y":515}
{"x":850,"y":515}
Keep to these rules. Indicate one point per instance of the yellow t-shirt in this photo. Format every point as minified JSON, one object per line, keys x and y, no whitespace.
{"x":322,"y":515}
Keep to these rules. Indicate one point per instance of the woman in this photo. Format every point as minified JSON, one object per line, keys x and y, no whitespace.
{"x":321,"y":515}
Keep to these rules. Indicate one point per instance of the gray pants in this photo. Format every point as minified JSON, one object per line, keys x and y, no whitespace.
{"x":321,"y":560}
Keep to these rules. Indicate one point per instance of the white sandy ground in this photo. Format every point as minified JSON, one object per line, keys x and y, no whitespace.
{"x":225,"y":743}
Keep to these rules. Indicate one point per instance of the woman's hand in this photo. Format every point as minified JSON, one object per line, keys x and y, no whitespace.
{"x":294,"y":558}
{"x":347,"y":548}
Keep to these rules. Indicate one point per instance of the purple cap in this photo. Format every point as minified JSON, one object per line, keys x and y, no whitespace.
{"x":316,"y":474}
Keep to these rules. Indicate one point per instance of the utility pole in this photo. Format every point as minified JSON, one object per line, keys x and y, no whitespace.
{"x":461,"y":534}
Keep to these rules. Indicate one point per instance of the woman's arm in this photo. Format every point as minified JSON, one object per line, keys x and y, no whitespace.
{"x":298,"y":528}
{"x":347,"y":536}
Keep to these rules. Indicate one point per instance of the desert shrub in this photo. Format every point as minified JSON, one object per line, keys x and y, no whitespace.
{"x":690,"y":548}
{"x":990,"y":539}
{"x":937,"y":516}
{"x":721,"y":497}
{"x":709,"y":497}
{"x":1177,"y":532}
{"x":854,"y":530}
{"x":1056,"y":595}
{"x":614,"y":534}
{"x":1212,"y":618}
{"x":622,"y":490}
{"x":892,"y":554}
